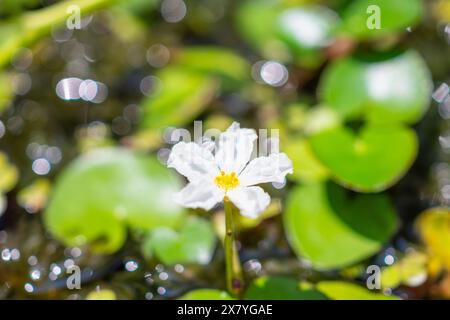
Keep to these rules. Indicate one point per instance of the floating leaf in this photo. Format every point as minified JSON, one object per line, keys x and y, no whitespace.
{"x":396,"y":89}
{"x":104,"y":191}
{"x":332,"y":230}
{"x":182,"y":96}
{"x":369,"y":161}
{"x":433,"y":226}
{"x":335,"y":81}
{"x":280,"y":288}
{"x":340,"y":290}
{"x":214,"y":60}
{"x":194,"y":243}
{"x":206,"y":294}
{"x":320,"y":118}
{"x":307,"y":29}
{"x":306,"y":166}
{"x":394,"y":16}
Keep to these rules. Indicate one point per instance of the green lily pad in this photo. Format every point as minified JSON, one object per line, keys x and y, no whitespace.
{"x":104,"y":191}
{"x":306,"y":166}
{"x":194,"y":243}
{"x":320,"y":118}
{"x":306,"y":30}
{"x":307,"y":27}
{"x":395,"y":16}
{"x":333,"y":230}
{"x":340,"y":290}
{"x":280,"y":288}
{"x":369,"y":161}
{"x":215,"y":60}
{"x":180,"y":97}
{"x":346,"y":73}
{"x":394,"y":89}
{"x":206,"y":294}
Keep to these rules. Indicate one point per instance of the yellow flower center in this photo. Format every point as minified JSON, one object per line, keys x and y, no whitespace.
{"x":226,"y":181}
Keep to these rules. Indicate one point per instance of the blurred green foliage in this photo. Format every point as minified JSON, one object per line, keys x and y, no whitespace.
{"x":322,"y":216}
{"x":105,"y":191}
{"x":396,"y":89}
{"x":370,"y":161}
{"x":345,"y":114}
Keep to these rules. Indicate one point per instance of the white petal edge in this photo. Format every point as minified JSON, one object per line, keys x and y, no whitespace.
{"x":193,"y":161}
{"x":235,"y":148}
{"x":272,"y":168}
{"x":251,"y":201}
{"x":200,"y":194}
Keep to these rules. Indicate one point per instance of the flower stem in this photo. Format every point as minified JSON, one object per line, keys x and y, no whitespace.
{"x":233,"y":270}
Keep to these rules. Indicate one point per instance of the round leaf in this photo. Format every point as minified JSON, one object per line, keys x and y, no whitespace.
{"x":280,"y":288}
{"x":307,"y":27}
{"x":214,"y":60}
{"x":103,"y":191}
{"x":370,"y":161}
{"x":396,"y":89}
{"x":306,"y":166}
{"x":194,"y":243}
{"x":306,"y":30}
{"x":336,"y":79}
{"x":324,"y":225}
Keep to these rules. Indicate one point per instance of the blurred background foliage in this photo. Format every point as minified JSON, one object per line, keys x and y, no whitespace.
{"x":88,"y":117}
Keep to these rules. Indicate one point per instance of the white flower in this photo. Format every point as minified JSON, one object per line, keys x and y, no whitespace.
{"x":227,"y":175}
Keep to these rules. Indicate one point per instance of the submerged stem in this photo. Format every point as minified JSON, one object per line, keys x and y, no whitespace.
{"x":234,"y":281}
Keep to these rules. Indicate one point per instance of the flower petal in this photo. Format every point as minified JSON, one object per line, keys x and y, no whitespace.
{"x":200,"y":194}
{"x":193,"y":161}
{"x":235,"y":148}
{"x":272,"y":168}
{"x":251,"y":201}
